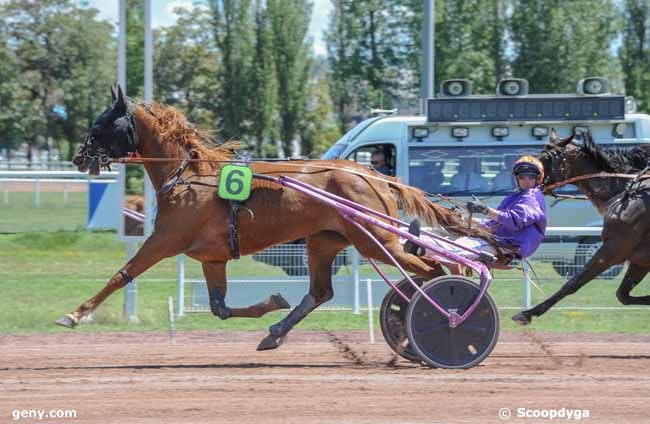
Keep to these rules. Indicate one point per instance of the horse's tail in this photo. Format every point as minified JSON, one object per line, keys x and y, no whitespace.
{"x":415,"y":203}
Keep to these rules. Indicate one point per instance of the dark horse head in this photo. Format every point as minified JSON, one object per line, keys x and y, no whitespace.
{"x":113,"y":135}
{"x":566,"y":158}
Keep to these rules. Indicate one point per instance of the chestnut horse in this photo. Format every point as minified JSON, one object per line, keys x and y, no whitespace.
{"x":194,"y":221}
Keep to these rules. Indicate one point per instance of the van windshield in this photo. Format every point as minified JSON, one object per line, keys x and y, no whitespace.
{"x":467,"y":170}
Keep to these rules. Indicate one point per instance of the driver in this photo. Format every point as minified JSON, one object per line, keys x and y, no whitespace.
{"x":519,"y":222}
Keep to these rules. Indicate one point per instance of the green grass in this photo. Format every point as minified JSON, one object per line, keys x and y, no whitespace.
{"x":43,"y":275}
{"x":21,"y":215}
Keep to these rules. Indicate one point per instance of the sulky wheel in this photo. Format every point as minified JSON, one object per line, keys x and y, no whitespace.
{"x":442,"y":346}
{"x":392,"y":317}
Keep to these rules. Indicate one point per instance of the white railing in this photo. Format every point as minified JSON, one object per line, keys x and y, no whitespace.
{"x":26,"y":165}
{"x":554,"y":263}
{"x":38,"y":177}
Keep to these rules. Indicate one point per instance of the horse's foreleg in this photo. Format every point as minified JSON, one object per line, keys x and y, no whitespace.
{"x":604,"y":258}
{"x":321,"y":249}
{"x":152,"y":251}
{"x":215,"y":277}
{"x":633,"y":276}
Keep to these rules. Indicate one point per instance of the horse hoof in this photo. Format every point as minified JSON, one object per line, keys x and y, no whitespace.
{"x":270,"y":342}
{"x":522,"y":318}
{"x":279,"y":301}
{"x":66,"y":321}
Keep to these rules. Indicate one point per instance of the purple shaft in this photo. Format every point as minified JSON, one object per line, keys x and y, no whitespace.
{"x":341,"y":205}
{"x":386,"y":279}
{"x":351,"y":210}
{"x":399,"y":267}
{"x":380,"y":214}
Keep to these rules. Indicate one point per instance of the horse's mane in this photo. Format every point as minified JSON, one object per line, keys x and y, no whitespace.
{"x":616,"y":159}
{"x":173,"y":127}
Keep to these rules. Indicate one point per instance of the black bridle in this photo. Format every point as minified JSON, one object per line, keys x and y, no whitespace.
{"x":555,"y":156}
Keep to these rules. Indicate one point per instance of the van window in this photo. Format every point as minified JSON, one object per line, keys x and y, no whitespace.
{"x":380,"y":157}
{"x":467,"y":170}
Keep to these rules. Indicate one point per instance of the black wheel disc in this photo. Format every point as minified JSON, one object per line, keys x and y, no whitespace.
{"x":442,"y":346}
{"x":392,"y":318}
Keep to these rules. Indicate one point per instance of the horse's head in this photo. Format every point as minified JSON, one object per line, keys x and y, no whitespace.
{"x":557,"y":158}
{"x":112,"y":135}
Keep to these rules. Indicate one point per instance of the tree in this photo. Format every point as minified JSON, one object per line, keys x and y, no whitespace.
{"x":368,"y":46}
{"x":263,"y":83}
{"x":339,"y":41}
{"x":291,"y":53}
{"x":468,"y":42}
{"x":233,"y":32}
{"x":635,"y":50}
{"x":85,"y":93}
{"x":186,"y":61}
{"x":556,"y":43}
{"x":135,"y":48}
{"x":32,"y":37}
{"x":9,"y":136}
{"x":319,"y":129}
{"x":64,"y":57}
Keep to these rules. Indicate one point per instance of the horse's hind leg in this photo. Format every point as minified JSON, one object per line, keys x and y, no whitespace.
{"x":424,"y":267}
{"x":321,"y":249}
{"x":633,"y":276}
{"x":215,"y":277}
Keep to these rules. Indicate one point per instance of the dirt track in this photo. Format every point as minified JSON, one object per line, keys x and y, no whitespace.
{"x":316,"y":378}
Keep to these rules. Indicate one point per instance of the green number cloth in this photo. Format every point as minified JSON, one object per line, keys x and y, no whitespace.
{"x":235,"y":182}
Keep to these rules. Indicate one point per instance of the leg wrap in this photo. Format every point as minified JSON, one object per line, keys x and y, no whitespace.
{"x":307,"y":305}
{"x":218,"y":304}
{"x":125,"y":275}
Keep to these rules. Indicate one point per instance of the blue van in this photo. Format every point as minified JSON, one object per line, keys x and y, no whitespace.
{"x":466,"y":146}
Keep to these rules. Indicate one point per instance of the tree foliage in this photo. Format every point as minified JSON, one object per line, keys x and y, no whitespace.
{"x":556,"y":42}
{"x":635,"y":50}
{"x":135,"y":48}
{"x":57,"y":54}
{"x":186,"y":64}
{"x":289,"y":20}
{"x":263,"y":85}
{"x":246,"y":67}
{"x":468,"y":42}
{"x":319,"y":128}
{"x":233,"y":32}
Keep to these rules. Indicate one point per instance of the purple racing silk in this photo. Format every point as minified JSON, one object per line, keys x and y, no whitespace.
{"x":522,"y":221}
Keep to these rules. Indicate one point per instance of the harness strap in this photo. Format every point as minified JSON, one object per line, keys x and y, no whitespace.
{"x":553,"y":186}
{"x":233,"y":236}
{"x":174,"y":179}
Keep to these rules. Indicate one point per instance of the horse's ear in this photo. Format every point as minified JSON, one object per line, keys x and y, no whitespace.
{"x":564,"y":141}
{"x":553,"y":136}
{"x":120,"y":98}
{"x":113,"y":96}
